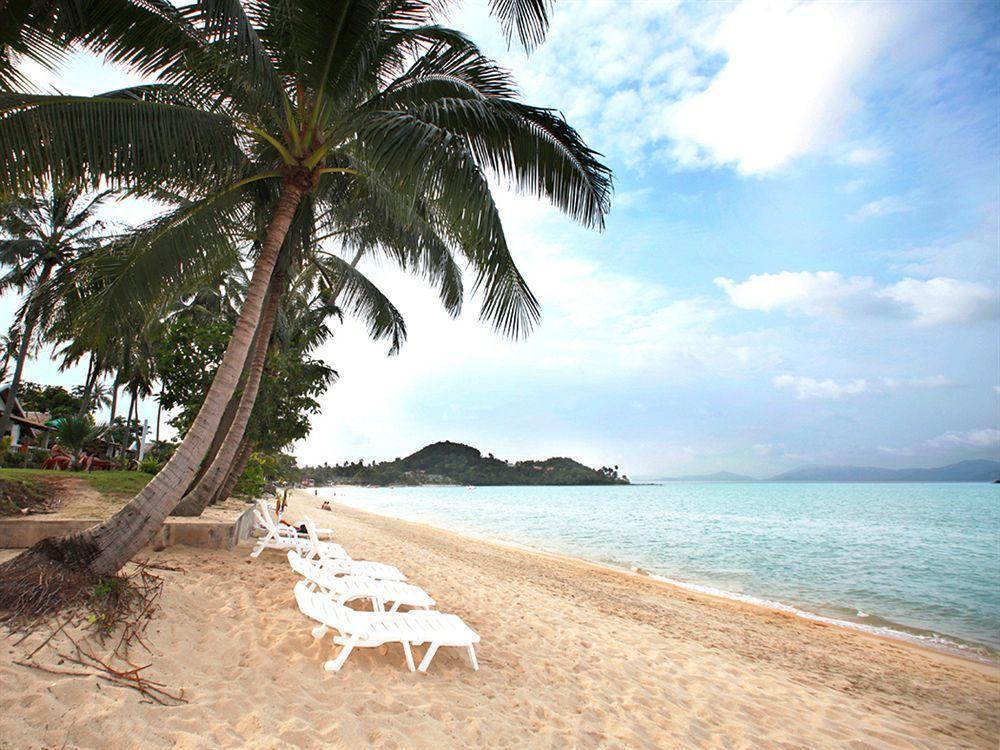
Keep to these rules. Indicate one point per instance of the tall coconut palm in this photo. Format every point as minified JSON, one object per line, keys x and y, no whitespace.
{"x":41,"y":235}
{"x":334,"y":277}
{"x":302,"y":107}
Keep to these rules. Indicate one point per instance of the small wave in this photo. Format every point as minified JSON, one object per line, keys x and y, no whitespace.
{"x":897,"y":632}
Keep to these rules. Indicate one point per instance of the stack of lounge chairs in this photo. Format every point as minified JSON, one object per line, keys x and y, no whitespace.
{"x":330,"y":579}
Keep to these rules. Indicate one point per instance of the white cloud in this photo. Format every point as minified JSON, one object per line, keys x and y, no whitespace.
{"x":808,"y":388}
{"x":862,"y":157}
{"x":828,"y":294}
{"x":942,"y":300}
{"x":887,"y":206}
{"x":788,"y":84}
{"x":931,"y":381}
{"x":984,"y":438}
{"x":978,"y":439}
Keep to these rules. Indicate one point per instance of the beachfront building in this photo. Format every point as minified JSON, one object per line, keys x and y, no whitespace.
{"x":27,"y":428}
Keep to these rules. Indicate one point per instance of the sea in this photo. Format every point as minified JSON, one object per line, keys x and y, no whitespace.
{"x":920,"y":562}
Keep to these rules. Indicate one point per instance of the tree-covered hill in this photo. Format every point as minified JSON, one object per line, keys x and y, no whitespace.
{"x":454,"y":463}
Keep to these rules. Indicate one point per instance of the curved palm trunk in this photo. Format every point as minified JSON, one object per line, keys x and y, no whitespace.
{"x":227,"y":418}
{"x":88,"y":386}
{"x":209,"y":488}
{"x":127,"y":438}
{"x":22,"y":352}
{"x":211,"y":482}
{"x":102,"y":549}
{"x":111,"y":419}
{"x":239,"y":465}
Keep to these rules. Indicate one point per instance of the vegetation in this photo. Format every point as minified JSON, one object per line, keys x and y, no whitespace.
{"x":43,"y":238}
{"x":112,"y":484}
{"x":291,"y":138}
{"x":75,"y":434}
{"x":454,"y":463}
{"x":53,"y":400}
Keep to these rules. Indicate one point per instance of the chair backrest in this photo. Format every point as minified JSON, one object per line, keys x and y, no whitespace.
{"x":307,"y":568}
{"x":328,"y":612}
{"x":317,"y":548}
{"x":265,"y":515}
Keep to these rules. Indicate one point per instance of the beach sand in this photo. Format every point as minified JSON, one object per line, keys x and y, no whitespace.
{"x":572,"y":655}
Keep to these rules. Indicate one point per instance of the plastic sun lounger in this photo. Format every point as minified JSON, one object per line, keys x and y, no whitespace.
{"x":343,"y":589}
{"x":265,"y":510}
{"x":274,"y":539}
{"x":370,"y":629}
{"x":316,"y":551}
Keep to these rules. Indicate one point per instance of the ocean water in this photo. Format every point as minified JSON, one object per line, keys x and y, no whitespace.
{"x":916,"y":561}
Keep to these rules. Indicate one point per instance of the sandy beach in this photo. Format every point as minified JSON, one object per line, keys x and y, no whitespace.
{"x":572,"y":655}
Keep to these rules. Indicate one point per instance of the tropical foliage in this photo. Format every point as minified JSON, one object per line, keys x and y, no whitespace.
{"x":454,"y":463}
{"x":293,"y":138}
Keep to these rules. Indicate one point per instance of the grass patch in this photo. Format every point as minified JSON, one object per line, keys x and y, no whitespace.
{"x":116,"y":483}
{"x":110,"y":484}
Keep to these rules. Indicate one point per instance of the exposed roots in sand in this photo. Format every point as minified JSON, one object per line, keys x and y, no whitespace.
{"x":42,"y":596}
{"x":36,"y":585}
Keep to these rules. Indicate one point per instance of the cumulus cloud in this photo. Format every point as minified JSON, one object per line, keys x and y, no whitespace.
{"x":830,"y":389}
{"x":887,"y":206}
{"x":809,"y":388}
{"x":828,"y":294}
{"x":751,"y":86}
{"x":984,"y":438}
{"x":788,"y":84}
{"x":862,"y":157}
{"x":968,"y":440}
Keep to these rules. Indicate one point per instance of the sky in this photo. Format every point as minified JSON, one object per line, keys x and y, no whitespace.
{"x":801,"y":263}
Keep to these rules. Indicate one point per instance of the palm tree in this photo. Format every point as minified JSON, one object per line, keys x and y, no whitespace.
{"x":305,"y":320}
{"x":75,"y":433}
{"x":289,"y":117}
{"x":42,"y":235}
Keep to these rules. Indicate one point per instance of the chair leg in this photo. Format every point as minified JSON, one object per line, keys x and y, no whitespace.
{"x":345,"y":651}
{"x":432,"y":649}
{"x":395,"y":606}
{"x":409,"y":654}
{"x":472,"y":657}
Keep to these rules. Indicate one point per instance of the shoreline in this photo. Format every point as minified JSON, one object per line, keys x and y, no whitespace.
{"x":572,"y":654}
{"x":946,"y":645}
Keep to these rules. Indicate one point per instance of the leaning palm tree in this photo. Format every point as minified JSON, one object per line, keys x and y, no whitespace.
{"x":41,"y":235}
{"x":287,"y":116}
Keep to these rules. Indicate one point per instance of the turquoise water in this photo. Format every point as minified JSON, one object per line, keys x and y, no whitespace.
{"x":920,"y":561}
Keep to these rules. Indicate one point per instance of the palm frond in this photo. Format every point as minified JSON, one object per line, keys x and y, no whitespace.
{"x":528,"y":19}
{"x":353,"y":292}
{"x":124,"y":143}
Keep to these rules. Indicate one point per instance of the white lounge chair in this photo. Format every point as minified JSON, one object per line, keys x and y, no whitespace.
{"x":274,"y":538}
{"x":316,"y":550}
{"x":265,"y":510}
{"x":369,"y":629}
{"x":349,"y":587}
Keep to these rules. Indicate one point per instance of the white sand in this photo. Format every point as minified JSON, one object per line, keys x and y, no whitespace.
{"x":573,"y":655}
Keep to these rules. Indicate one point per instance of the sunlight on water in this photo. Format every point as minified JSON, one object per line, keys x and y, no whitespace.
{"x":921,"y":559}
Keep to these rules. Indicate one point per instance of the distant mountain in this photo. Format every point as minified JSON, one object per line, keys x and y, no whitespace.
{"x":963,"y":471}
{"x":455,"y":463}
{"x":719,"y":476}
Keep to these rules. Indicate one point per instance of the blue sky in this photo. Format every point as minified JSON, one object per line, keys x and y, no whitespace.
{"x":801,"y":263}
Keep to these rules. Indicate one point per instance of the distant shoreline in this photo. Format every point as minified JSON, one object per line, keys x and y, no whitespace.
{"x":949,"y":645}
